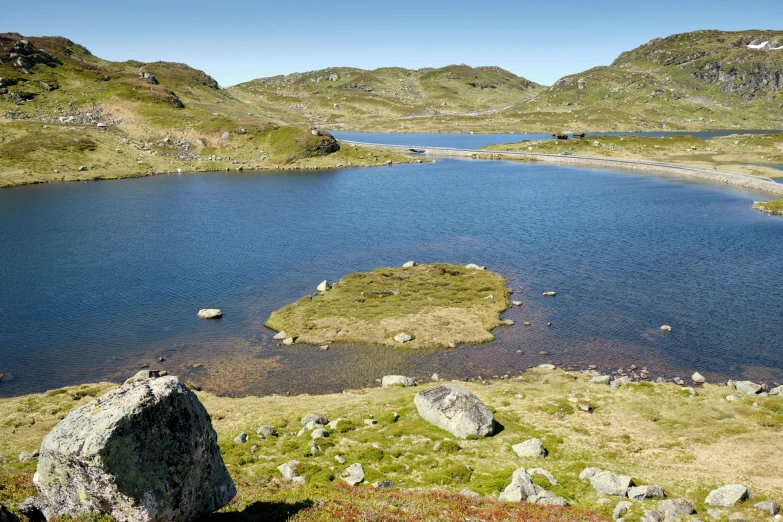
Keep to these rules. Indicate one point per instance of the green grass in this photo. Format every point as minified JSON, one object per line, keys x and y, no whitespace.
{"x":770,"y":207}
{"x":436,"y":304}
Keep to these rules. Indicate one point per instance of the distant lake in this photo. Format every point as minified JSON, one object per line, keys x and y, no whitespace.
{"x":98,"y":279}
{"x":476,"y":141}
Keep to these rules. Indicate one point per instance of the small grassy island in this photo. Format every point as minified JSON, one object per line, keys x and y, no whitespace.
{"x":773,"y":208}
{"x":434,"y":305}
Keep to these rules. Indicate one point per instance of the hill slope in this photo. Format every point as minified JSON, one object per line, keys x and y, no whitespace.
{"x":67,"y":114}
{"x":346,"y":94}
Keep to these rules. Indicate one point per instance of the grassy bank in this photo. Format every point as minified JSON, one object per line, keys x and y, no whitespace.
{"x":774,"y":208}
{"x":434,"y":304}
{"x":688,"y":443}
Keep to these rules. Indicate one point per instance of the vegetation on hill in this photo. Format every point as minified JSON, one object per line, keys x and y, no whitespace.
{"x":434,"y":304}
{"x":688,"y":442}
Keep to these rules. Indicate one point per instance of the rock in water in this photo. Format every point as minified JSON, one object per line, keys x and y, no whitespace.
{"x":456,"y":410}
{"x":210,"y":313}
{"x":145,"y":451}
{"x":324,"y":286}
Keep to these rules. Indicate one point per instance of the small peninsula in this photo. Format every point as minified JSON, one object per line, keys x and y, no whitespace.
{"x":413,"y":306}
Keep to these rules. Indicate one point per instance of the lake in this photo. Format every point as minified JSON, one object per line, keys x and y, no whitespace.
{"x":475,"y":141}
{"x":99,"y":279}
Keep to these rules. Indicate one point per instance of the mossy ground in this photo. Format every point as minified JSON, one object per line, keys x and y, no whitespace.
{"x":657,"y":433}
{"x":435,"y":304}
{"x":770,"y":207}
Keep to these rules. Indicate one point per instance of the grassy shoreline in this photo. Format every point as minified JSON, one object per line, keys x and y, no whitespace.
{"x":688,"y":442}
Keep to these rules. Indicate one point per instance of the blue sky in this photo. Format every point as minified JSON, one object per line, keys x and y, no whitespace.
{"x":240,"y":40}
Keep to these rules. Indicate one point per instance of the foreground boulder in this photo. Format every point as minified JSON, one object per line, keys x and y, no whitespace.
{"x":456,"y":410}
{"x":727,"y":496}
{"x":145,"y":451}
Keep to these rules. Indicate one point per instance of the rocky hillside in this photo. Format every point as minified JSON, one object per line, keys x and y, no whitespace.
{"x":64,"y":111}
{"x":343,"y":94}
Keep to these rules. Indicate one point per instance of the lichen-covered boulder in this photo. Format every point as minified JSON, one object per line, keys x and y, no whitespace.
{"x":727,"y":496}
{"x":145,"y":451}
{"x":456,"y":410}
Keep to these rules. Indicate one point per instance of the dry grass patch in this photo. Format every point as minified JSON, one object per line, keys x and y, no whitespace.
{"x":435,"y":304}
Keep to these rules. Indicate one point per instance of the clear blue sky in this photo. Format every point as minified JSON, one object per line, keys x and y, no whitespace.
{"x":239,"y":40}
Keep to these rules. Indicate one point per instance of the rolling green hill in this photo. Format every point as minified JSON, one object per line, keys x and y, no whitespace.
{"x":343,"y":94}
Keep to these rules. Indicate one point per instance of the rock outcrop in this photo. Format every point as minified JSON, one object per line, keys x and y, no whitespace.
{"x":144,"y":451}
{"x":456,"y":410}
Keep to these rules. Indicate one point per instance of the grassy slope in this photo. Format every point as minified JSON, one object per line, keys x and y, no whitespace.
{"x":741,"y":153}
{"x":347,"y":94}
{"x":176,"y":123}
{"x":653,"y":87}
{"x":436,"y":304}
{"x":657,"y":433}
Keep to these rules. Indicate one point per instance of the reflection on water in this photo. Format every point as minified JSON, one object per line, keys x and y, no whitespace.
{"x":99,"y":279}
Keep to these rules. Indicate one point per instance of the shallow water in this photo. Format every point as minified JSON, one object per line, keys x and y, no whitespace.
{"x":475,"y":141}
{"x":100,"y":278}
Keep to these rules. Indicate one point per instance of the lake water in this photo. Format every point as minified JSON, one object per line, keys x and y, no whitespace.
{"x":475,"y":141}
{"x":98,"y":279}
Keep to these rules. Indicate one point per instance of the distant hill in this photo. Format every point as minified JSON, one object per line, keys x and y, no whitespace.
{"x":347,"y":94}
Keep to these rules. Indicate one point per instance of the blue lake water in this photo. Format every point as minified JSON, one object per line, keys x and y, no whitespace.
{"x":475,"y":141}
{"x":98,"y":279}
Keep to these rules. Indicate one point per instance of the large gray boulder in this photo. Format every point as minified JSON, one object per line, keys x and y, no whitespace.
{"x":747,"y":387}
{"x":646,"y":492}
{"x":532,"y":448}
{"x":456,"y":410}
{"x":145,"y":451}
{"x":675,"y":509}
{"x":611,"y":483}
{"x":522,"y":488}
{"x":727,"y":496}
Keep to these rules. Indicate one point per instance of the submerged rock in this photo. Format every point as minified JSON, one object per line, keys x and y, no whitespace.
{"x":210,"y":313}
{"x":144,"y":451}
{"x":456,"y":410}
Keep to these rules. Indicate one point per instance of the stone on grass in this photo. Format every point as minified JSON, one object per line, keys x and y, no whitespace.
{"x":266,"y":431}
{"x":602,"y":379}
{"x":652,"y":516}
{"x":769,"y":506}
{"x":545,"y":473}
{"x":747,"y":387}
{"x":353,"y":475}
{"x":289,"y":470}
{"x":521,"y":488}
{"x":241,"y":438}
{"x":611,"y":483}
{"x":299,"y":480}
{"x":339,"y":459}
{"x":776,"y":391}
{"x":402,"y":337}
{"x":288,"y":341}
{"x":727,"y":496}
{"x":473,"y":266}
{"x":324,"y":286}
{"x":532,"y":448}
{"x":674,"y":509}
{"x":210,"y":313}
{"x":319,"y":433}
{"x":409,"y":264}
{"x":144,"y":451}
{"x":732,"y":398}
{"x":313,"y":417}
{"x":621,"y":509}
{"x":28,"y":456}
{"x":465,"y":492}
{"x":646,"y":492}
{"x":736,"y":517}
{"x":698,"y":378}
{"x":383,"y":484}
{"x":589,"y":473}
{"x":397,"y":380}
{"x":714,"y":514}
{"x":455,"y":410}
{"x":616,"y":383}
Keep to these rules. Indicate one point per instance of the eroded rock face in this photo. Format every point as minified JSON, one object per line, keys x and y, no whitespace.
{"x":456,"y":410}
{"x":144,"y":451}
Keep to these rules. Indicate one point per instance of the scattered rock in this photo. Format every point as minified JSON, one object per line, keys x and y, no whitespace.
{"x":714,"y":514}
{"x":402,"y":337}
{"x":516,"y":303}
{"x":324,"y":286}
{"x":253,"y":448}
{"x":652,"y":516}
{"x":354,"y":475}
{"x":28,"y":456}
{"x":319,"y":433}
{"x":611,"y":483}
{"x":339,"y":459}
{"x":383,"y":484}
{"x":736,"y":517}
{"x":435,"y":377}
{"x":646,"y":492}
{"x":674,"y":509}
{"x":727,"y":496}
{"x":776,"y":391}
{"x":666,"y":328}
{"x":409,"y":264}
{"x":769,"y":506}
{"x":83,"y":168}
{"x":266,"y":431}
{"x":370,"y":422}
{"x":616,"y":383}
{"x":299,"y":480}
{"x":698,"y":378}
{"x":241,"y":438}
{"x":465,"y":492}
{"x":547,"y":366}
{"x":280,"y":336}
{"x":545,"y":473}
{"x":549,"y":294}
{"x":602,"y":379}
{"x":473,"y":266}
{"x":521,"y":488}
{"x":210,"y":313}
{"x":589,"y":473}
{"x":288,"y":341}
{"x":532,"y":448}
{"x":290,"y":469}
{"x":456,"y":410}
{"x":144,"y":451}
{"x":621,"y":509}
{"x":732,"y":398}
{"x":397,"y":380}
{"x":747,"y":387}
{"x":314,"y":418}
